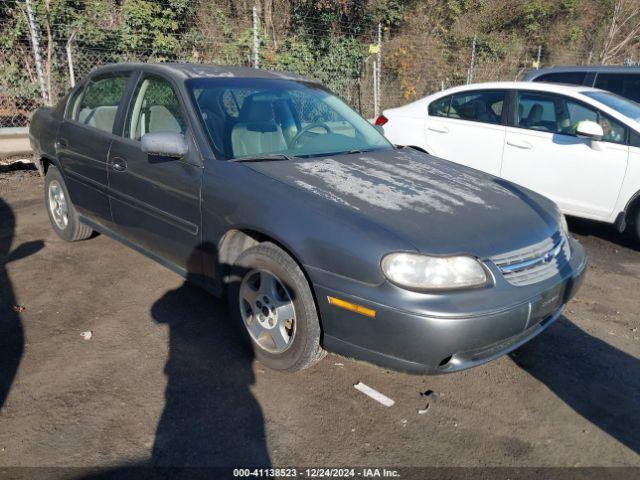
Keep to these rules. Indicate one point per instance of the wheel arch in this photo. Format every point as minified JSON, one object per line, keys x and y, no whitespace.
{"x":630,"y":211}
{"x":237,"y":240}
{"x":420,"y":149}
{"x":44,"y":162}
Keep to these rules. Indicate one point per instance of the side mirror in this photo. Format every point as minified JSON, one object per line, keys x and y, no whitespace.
{"x":168,"y":144}
{"x":589,"y":129}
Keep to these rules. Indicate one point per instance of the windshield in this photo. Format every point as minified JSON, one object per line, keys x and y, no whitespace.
{"x":248,"y":117}
{"x":626,"y":107}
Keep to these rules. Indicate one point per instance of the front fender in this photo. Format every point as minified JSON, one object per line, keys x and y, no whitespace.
{"x":320,"y":233}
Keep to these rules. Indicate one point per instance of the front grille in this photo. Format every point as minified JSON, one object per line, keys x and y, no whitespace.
{"x":534,"y":263}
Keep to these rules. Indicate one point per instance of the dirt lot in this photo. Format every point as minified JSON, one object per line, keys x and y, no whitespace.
{"x":165,"y":379}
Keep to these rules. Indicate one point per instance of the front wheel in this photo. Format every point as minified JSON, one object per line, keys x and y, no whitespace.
{"x":271,"y":299}
{"x":62,"y":213}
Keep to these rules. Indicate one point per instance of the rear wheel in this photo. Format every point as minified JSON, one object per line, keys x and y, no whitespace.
{"x":271,"y":299}
{"x":62,"y":213}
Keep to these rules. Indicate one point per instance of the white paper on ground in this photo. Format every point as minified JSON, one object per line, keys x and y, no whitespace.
{"x":377,"y":396}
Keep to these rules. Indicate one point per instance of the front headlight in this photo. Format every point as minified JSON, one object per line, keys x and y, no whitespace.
{"x":422,"y":272}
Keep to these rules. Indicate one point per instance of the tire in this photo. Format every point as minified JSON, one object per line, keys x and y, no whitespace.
{"x":62,"y":213}
{"x":267,"y":261}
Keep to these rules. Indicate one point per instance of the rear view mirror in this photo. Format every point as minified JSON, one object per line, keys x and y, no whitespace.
{"x":168,"y":144}
{"x":589,"y":129}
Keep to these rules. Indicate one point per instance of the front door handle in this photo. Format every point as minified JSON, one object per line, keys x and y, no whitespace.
{"x":438,"y":128}
{"x":62,"y":143}
{"x":118,"y":164}
{"x":520,"y":144}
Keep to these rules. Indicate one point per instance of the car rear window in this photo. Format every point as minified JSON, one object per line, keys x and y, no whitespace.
{"x":624,"y":84}
{"x":572,"y":78}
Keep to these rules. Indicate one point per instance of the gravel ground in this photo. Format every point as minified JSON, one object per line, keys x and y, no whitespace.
{"x":166,"y":380}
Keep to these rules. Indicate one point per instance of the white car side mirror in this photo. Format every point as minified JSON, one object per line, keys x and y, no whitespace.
{"x":589,"y":129}
{"x":592,"y":130}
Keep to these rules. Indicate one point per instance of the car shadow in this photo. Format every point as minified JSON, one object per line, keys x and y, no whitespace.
{"x":11,"y":330}
{"x":600,"y":382}
{"x":604,"y":231}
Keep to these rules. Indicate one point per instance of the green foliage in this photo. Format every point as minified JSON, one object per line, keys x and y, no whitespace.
{"x":294,"y":55}
{"x":154,"y":25}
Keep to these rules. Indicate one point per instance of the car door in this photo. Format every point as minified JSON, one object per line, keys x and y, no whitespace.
{"x":543,"y":153}
{"x":155,"y":200}
{"x":468,"y":128}
{"x":84,"y":139}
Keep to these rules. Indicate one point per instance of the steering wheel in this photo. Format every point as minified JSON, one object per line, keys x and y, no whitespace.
{"x":305,"y":130}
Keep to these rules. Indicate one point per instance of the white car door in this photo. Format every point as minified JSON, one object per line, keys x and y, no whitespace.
{"x":542,"y":153}
{"x":467,"y":128}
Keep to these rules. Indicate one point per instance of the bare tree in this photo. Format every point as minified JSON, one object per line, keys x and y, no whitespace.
{"x":624,"y":30}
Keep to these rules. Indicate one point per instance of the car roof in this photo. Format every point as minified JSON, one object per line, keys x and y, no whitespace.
{"x":533,"y":73}
{"x":184,"y":71}
{"x":543,"y":86}
{"x":540,"y":86}
{"x":418,"y":105}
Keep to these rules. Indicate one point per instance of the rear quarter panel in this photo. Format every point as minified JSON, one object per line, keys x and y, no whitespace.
{"x":406,"y":130}
{"x":43,"y":131}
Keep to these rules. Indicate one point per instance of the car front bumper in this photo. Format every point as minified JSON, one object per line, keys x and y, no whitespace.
{"x":421,"y":333}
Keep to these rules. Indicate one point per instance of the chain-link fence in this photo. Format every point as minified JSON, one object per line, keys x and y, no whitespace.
{"x":41,"y":57}
{"x":65,"y":55}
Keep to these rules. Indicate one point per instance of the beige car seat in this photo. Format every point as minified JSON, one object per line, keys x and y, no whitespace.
{"x":256,"y":130}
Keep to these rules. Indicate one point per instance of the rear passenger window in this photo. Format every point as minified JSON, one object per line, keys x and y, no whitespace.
{"x":572,"y":78}
{"x":485,"y":107}
{"x":440,"y":107}
{"x":73,"y":107}
{"x":624,"y":84}
{"x":98,"y":105}
{"x":155,"y":108}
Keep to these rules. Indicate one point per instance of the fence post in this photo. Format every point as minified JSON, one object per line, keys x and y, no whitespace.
{"x":72,"y":77}
{"x":538,"y":59}
{"x":376,"y":105}
{"x":36,"y":52}
{"x":256,"y":39}
{"x":379,"y":71}
{"x":473,"y":60}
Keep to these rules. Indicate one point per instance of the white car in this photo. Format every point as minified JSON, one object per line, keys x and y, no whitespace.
{"x":577,"y":145}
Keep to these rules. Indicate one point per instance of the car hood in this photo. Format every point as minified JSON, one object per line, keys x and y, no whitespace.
{"x":438,"y":206}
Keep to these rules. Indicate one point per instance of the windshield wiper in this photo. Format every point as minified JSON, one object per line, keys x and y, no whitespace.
{"x":270,"y":157}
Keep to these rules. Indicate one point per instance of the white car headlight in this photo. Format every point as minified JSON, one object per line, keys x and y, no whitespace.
{"x":422,"y":272}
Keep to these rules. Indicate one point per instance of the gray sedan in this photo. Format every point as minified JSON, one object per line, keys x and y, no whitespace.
{"x":266,"y":188}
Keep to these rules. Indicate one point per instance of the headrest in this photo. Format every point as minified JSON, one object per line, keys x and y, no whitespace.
{"x":257,"y":111}
{"x":535,"y":114}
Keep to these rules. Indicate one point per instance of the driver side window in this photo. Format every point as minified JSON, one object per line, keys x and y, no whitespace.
{"x":154,"y":108}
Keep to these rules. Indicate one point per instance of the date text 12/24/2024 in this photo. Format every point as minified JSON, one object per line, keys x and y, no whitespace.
{"x":316,"y":472}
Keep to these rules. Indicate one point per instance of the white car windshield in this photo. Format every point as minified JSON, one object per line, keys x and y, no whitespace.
{"x":626,"y":107}
{"x":253,"y":117}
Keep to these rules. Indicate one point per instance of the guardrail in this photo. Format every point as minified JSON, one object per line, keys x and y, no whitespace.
{"x":14,"y":143}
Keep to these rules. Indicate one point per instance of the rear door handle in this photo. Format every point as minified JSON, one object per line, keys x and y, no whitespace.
{"x":438,"y":128}
{"x":62,"y":143}
{"x":118,"y":164}
{"x":520,"y":144}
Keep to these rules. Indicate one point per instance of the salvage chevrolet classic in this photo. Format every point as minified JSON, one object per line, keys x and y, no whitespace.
{"x":267,"y":188}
